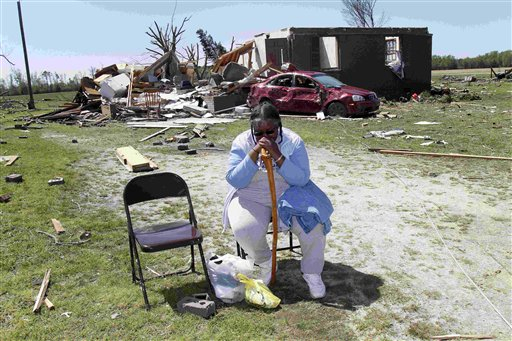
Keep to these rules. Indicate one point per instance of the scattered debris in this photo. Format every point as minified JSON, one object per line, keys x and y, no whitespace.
{"x":10,"y":159}
{"x":459,"y":336}
{"x":501,"y":75}
{"x":14,"y":178}
{"x":155,"y":134}
{"x":56,"y":181}
{"x":114,"y":316}
{"x":48,"y":303}
{"x":407,"y":152}
{"x":58,"y":226}
{"x":426,"y":137}
{"x":384,"y":134}
{"x":320,"y":116}
{"x":85,"y":235}
{"x":5,"y":198}
{"x":198,"y":304}
{"x":42,"y":291}
{"x":66,"y":313}
{"x":441,"y":142}
{"x":426,"y":123}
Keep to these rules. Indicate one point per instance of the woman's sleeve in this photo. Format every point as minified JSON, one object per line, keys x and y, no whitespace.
{"x":241,"y":168}
{"x":295,"y":168}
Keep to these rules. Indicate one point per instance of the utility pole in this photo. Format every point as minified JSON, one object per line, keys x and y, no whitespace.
{"x":31,"y":100}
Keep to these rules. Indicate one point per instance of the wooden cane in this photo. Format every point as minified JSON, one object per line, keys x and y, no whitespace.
{"x":267,"y":160}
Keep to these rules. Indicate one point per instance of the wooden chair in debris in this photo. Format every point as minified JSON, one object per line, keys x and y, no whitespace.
{"x":153,"y":101}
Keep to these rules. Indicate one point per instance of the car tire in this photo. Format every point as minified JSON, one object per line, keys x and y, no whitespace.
{"x":336,"y":109}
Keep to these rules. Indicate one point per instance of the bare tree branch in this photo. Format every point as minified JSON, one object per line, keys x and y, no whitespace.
{"x":165,"y":39}
{"x":7,"y":59}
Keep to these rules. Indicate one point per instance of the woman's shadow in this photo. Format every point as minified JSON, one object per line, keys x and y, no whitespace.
{"x":346,"y":287}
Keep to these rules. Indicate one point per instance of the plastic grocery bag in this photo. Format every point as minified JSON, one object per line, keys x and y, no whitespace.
{"x":222,"y":271}
{"x":257,"y":293}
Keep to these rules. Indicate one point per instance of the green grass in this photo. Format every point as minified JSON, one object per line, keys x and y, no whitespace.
{"x":91,"y":281}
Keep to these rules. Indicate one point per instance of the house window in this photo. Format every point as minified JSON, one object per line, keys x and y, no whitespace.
{"x":392,"y":49}
{"x":394,"y":59}
{"x":329,"y":53}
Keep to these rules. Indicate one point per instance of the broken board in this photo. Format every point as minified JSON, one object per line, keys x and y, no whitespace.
{"x":133,"y":160}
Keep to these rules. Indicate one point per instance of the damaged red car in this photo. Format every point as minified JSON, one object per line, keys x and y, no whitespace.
{"x":311,"y":92}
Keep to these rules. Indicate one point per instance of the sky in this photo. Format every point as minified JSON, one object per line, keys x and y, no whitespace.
{"x":68,"y":37}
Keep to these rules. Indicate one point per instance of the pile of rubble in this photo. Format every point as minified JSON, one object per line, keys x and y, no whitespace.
{"x":165,"y":89}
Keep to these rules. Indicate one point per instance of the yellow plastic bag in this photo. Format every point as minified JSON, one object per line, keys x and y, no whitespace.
{"x":257,"y":293}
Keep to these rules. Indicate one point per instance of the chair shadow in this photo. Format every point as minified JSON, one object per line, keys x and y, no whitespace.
{"x":172,"y":294}
{"x":346,"y":287}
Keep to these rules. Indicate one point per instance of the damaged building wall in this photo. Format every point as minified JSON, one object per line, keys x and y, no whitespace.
{"x":356,"y":56}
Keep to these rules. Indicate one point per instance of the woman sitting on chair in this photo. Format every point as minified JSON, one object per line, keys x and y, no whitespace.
{"x":248,"y":205}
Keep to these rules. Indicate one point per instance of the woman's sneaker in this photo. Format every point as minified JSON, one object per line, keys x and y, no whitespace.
{"x":263,"y":271}
{"x":315,"y":284}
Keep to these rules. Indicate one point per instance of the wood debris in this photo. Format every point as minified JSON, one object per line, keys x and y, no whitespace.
{"x":133,"y":160}
{"x":42,"y":291}
{"x":58,"y":226}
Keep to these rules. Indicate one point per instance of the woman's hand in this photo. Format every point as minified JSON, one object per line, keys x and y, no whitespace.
{"x":270,"y":145}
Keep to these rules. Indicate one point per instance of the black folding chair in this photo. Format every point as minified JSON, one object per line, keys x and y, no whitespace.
{"x":166,"y":236}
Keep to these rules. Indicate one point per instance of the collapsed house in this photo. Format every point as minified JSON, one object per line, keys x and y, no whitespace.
{"x":392,"y":62}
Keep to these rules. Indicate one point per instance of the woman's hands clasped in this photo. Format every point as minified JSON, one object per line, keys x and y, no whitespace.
{"x":270,"y":145}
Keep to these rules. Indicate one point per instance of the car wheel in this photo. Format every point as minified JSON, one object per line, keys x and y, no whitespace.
{"x":336,"y":109}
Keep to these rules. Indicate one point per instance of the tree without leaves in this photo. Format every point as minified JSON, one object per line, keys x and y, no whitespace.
{"x":360,"y":13}
{"x":192,"y":55}
{"x":165,"y":39}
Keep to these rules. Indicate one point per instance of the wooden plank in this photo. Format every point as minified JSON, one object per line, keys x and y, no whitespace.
{"x":42,"y":291}
{"x":12,"y":159}
{"x":133,"y":160}
{"x":459,"y":336}
{"x":402,"y":152}
{"x":58,"y":226}
{"x":253,"y":75}
{"x":155,"y":134}
{"x":48,"y":303}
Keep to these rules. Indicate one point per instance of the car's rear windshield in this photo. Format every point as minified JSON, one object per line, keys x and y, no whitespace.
{"x":328,"y":81}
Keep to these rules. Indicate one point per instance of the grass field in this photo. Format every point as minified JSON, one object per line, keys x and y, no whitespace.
{"x":90,"y":283}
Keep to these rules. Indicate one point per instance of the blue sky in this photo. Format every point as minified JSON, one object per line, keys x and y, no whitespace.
{"x":71,"y":36}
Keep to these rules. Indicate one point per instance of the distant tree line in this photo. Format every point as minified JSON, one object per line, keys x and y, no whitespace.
{"x":491,"y":59}
{"x":44,"y":82}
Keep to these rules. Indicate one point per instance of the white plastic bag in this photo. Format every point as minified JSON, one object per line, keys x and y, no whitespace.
{"x":222,"y":271}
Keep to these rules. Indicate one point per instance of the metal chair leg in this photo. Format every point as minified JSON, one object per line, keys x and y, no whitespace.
{"x":205,"y":270}
{"x":193,"y":264}
{"x":134,"y":277}
{"x":141,"y":281}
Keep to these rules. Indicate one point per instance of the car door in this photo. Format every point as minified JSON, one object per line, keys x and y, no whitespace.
{"x":279,"y":92}
{"x":304,"y":95}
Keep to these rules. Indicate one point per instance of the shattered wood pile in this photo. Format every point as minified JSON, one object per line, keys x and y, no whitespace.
{"x":161,"y":91}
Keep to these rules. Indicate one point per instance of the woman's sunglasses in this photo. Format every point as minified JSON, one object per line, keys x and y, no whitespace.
{"x":260,"y":133}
